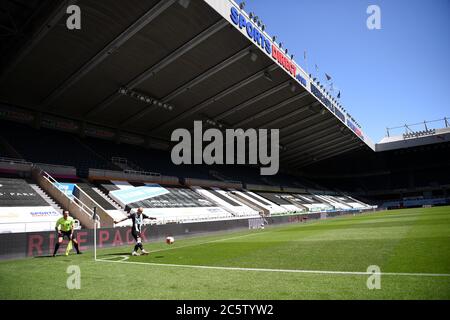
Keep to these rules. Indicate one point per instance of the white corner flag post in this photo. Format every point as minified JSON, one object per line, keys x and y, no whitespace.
{"x":94,"y":216}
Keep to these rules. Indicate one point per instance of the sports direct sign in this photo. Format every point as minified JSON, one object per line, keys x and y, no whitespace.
{"x":260,"y":39}
{"x":242,"y":22}
{"x":230,"y":11}
{"x":355,"y":129}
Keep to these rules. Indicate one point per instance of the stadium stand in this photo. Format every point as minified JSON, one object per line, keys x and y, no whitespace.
{"x":286,"y":201}
{"x":191,"y":193}
{"x":391,"y":178}
{"x":223,"y":199}
{"x":97,"y":153}
{"x":256,"y":202}
{"x":166,"y":203}
{"x":23,"y":208}
{"x":313,"y":203}
{"x":38,"y":146}
{"x":140,"y":159}
{"x":109,"y":147}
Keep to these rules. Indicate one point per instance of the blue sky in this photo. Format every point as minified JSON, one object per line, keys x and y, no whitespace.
{"x":399,"y":74}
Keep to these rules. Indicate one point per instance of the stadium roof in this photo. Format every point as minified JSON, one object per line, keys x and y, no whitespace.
{"x":414,"y":139}
{"x":149,"y":67}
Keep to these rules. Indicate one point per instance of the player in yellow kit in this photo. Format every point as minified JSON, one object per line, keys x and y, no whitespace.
{"x":64,"y":227}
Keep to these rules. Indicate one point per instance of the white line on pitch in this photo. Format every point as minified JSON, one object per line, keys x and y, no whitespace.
{"x":124,"y":258}
{"x":283,"y":270}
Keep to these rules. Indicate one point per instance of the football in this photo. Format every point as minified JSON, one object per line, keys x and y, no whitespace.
{"x":170,"y":240}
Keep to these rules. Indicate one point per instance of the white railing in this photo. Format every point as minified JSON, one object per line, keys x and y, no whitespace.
{"x":61,"y":189}
{"x":143,"y":173}
{"x":424,"y":126}
{"x":101,"y":212}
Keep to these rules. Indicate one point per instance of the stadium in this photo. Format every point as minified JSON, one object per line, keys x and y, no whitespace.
{"x":88,"y":116}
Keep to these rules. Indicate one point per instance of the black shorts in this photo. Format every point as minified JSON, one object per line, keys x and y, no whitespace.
{"x":65,"y":234}
{"x":135,"y":234}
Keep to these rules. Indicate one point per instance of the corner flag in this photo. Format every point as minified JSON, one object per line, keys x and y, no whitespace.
{"x":69,"y":247}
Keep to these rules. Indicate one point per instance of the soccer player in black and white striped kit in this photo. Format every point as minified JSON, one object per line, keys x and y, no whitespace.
{"x":138,"y":221}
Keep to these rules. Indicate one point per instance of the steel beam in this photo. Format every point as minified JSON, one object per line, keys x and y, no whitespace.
{"x":152,"y":71}
{"x":311,"y":148}
{"x":45,"y":28}
{"x":189,"y":85}
{"x":114,"y":45}
{"x":224,"y":93}
{"x":273,"y":109}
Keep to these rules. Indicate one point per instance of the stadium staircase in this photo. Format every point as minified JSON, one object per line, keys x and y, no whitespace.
{"x":78,"y":209}
{"x":46,"y":197}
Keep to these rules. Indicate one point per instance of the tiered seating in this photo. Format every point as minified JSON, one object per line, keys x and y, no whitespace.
{"x":165,"y":203}
{"x":226,"y":201}
{"x":22,"y":209}
{"x":313,"y":203}
{"x":256,"y":202}
{"x":287,"y":201}
{"x":352,"y":202}
{"x":61,"y":148}
{"x":150,"y":160}
{"x":52,"y":147}
{"x":278,"y":194}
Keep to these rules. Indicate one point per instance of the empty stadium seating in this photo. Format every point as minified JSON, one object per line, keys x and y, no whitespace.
{"x":287,"y":201}
{"x":199,"y":193}
{"x":145,"y":159}
{"x":62,"y":148}
{"x":22,"y":209}
{"x":228,"y":202}
{"x":166,"y":203}
{"x":52,"y":147}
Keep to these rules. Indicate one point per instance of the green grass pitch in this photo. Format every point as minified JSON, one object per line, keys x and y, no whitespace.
{"x":401,"y":241}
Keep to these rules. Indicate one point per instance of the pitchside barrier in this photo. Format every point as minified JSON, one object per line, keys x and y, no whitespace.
{"x":33,"y":244}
